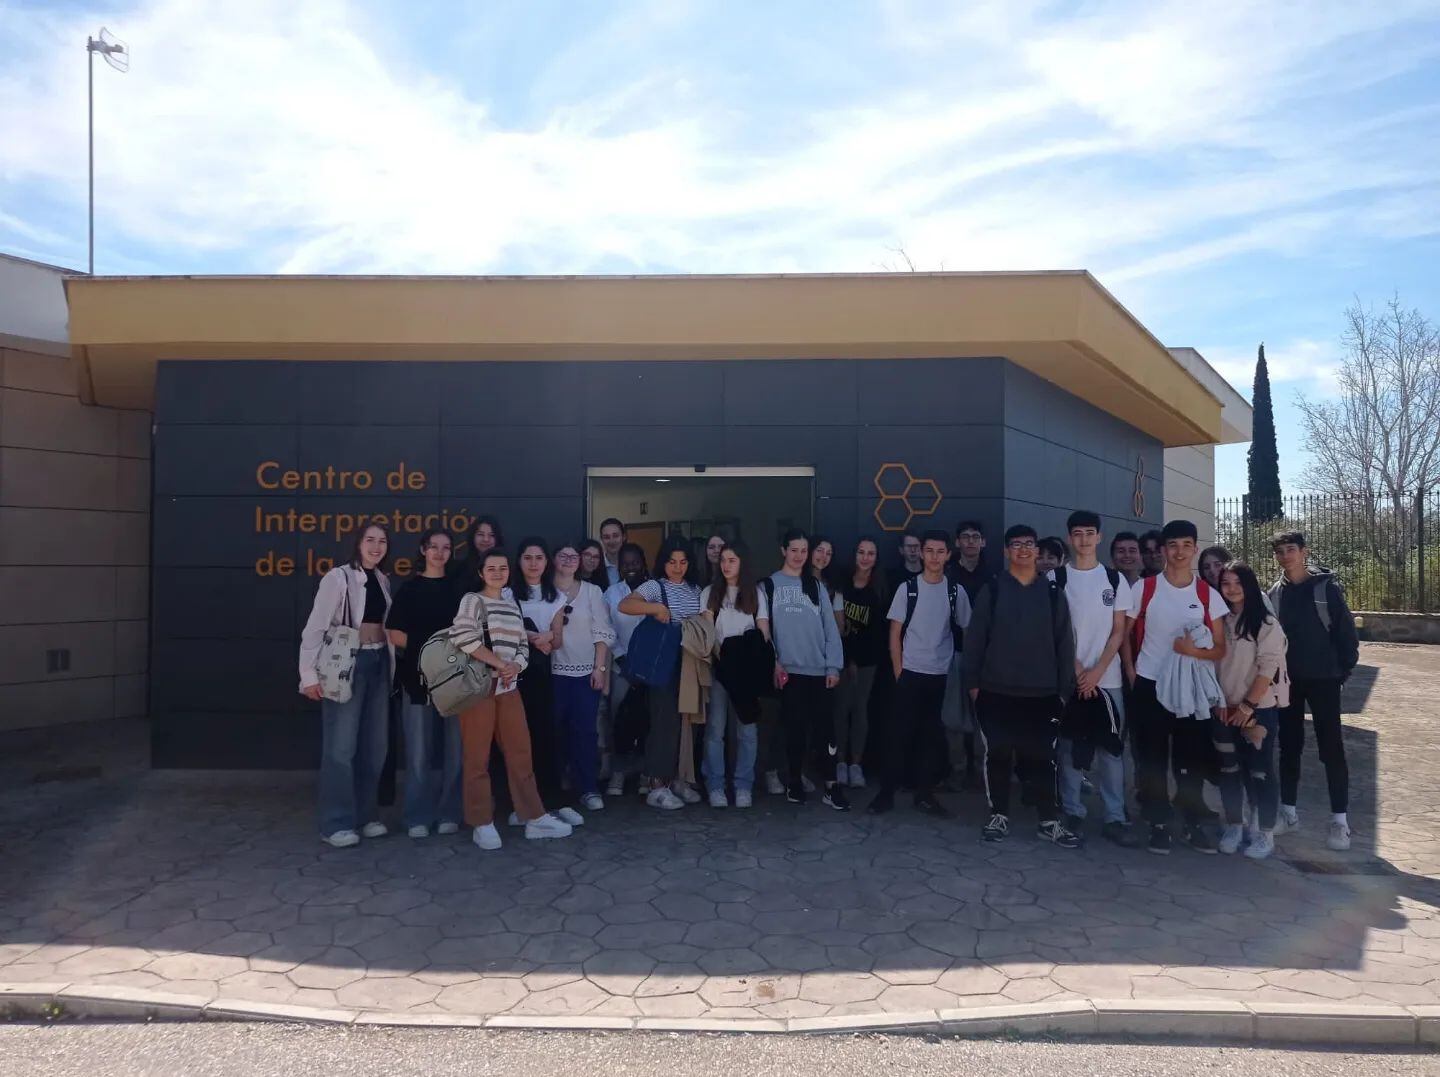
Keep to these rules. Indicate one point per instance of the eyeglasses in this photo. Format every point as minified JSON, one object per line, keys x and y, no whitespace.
{"x":567,"y":557}
{"x":1023,"y":544}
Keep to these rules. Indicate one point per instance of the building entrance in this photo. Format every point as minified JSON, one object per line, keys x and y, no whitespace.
{"x":753,"y":505}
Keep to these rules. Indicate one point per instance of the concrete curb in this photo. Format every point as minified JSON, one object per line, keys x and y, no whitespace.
{"x":1203,"y":1019}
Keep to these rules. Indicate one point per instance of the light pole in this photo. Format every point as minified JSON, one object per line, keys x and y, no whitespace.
{"x":118,"y":57}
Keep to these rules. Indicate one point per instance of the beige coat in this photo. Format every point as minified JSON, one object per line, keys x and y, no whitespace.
{"x":1246,"y":659}
{"x":697,"y":642}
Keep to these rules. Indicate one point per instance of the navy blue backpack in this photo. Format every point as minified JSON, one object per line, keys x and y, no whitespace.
{"x":653,"y":657}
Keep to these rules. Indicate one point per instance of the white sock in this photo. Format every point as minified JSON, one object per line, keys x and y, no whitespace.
{"x":1340,"y":818}
{"x":1288,"y":810}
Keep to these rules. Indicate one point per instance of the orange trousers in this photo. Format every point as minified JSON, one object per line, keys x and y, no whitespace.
{"x":497,"y":719}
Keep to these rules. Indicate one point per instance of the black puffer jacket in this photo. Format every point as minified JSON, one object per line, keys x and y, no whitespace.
{"x":1316,"y":653}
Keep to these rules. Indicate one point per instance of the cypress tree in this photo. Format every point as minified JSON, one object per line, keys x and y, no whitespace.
{"x":1263,"y":458}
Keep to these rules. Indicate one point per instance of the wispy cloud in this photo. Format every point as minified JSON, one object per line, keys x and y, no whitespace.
{"x":1139,"y":140}
{"x":1301,"y":363}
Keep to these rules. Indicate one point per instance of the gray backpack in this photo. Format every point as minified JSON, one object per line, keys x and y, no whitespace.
{"x":453,"y":679}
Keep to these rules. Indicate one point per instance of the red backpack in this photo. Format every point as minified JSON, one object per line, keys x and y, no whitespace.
{"x":1147,"y":592}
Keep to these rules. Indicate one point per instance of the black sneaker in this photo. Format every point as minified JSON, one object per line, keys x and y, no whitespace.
{"x":1055,"y":832}
{"x":1074,"y":823}
{"x":1160,"y":840}
{"x":997,"y":829}
{"x":1200,"y":840}
{"x":931,"y":806}
{"x":795,"y":794}
{"x":882,"y":802}
{"x":1120,"y":834}
{"x":835,"y":798}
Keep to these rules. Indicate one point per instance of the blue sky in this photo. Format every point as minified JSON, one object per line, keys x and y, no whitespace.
{"x":1232,"y":172}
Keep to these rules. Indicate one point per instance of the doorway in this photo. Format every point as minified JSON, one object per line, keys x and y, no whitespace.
{"x":752,"y":505}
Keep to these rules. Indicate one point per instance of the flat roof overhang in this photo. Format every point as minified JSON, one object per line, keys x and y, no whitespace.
{"x":1063,"y":326}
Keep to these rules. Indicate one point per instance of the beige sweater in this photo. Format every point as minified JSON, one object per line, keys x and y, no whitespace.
{"x":1246,"y":659}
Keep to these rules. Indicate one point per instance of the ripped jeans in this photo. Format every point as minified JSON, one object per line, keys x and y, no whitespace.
{"x":1247,"y":771}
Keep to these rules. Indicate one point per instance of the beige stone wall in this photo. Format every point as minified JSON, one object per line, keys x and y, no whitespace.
{"x":74,"y":548}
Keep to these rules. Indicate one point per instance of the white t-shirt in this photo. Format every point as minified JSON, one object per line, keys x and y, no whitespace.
{"x":541,"y":613}
{"x":731,"y":621}
{"x":928,"y":644}
{"x":1093,"y":604}
{"x":1171,"y":611}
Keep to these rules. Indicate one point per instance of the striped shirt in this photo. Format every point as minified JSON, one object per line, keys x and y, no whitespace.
{"x":495,"y":623}
{"x":682,"y":598}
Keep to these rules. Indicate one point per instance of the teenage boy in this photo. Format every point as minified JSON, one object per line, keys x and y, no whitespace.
{"x":612,"y":537}
{"x":1099,"y":599}
{"x":923,"y":617}
{"x":1020,"y":662}
{"x":972,"y":572}
{"x":1323,"y":650}
{"x":1125,"y":556}
{"x":1050,"y":555}
{"x":911,"y":563}
{"x":808,"y":659}
{"x":1152,"y":553}
{"x":1169,"y":604}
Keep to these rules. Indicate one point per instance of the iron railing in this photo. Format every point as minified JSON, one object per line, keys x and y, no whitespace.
{"x":1385,"y":550}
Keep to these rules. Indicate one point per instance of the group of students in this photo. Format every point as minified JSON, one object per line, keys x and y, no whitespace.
{"x":1048,"y":670}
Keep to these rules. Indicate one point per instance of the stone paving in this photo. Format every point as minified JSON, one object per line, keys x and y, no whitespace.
{"x":214,"y":884}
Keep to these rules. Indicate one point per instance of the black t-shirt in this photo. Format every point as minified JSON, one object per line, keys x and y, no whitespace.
{"x":374,"y":599}
{"x":422,"y":608}
{"x":971,"y":581}
{"x":865,"y":625}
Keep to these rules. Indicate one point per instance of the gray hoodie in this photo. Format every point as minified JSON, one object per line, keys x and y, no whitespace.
{"x":1019,"y":641}
{"x":805,"y":635}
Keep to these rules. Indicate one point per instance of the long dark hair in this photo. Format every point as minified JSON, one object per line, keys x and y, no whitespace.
{"x":518,"y":584}
{"x":1220,"y":552}
{"x":877,"y":573}
{"x":828,"y":575}
{"x":479,"y":522}
{"x":745,"y":584}
{"x":600,"y":578}
{"x":673,"y":544}
{"x":1254,"y":614}
{"x":384,"y":563}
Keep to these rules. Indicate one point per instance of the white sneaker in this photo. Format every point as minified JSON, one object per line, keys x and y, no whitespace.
{"x":616,"y":788}
{"x":570,"y":816}
{"x":342,"y":839}
{"x":718,"y":799}
{"x":448,"y":828}
{"x":547,"y":826}
{"x":1339,"y":837}
{"x":1230,"y":838}
{"x":857,"y":776}
{"x":487,"y":837}
{"x":374,"y":830}
{"x":663,"y":799}
{"x":1252,"y":825}
{"x":842,"y":774}
{"x":1287,"y":819}
{"x":418,"y":832}
{"x":807,"y":784}
{"x":685,"y":791}
{"x":743,"y":799}
{"x":1262,"y":845}
{"x":773,"y":785}
{"x":592,"y":802}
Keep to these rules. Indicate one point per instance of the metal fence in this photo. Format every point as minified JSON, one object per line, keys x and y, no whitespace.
{"x":1386,"y":551}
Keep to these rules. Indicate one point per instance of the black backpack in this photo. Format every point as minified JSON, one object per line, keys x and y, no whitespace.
{"x":912,"y":598}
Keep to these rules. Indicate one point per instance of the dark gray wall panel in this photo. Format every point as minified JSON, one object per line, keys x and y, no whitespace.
{"x":232,"y":391}
{"x":540,"y":394}
{"x":931,"y":392}
{"x":777,"y":393}
{"x":477,"y":462}
{"x":223,"y":458}
{"x":830,"y":450}
{"x":633,"y":394}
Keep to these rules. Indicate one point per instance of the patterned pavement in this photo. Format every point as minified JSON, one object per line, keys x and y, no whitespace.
{"x":214,"y":884}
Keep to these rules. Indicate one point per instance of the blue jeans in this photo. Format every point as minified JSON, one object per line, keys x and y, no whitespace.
{"x":1247,"y":771}
{"x":576,"y":705}
{"x":354,"y":739}
{"x":1107,"y":773}
{"x":421,"y":807}
{"x":747,"y":743}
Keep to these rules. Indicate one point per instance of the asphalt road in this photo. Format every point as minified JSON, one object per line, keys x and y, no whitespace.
{"x":258,"y":1050}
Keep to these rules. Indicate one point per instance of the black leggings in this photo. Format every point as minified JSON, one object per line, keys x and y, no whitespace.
{"x":1324,"y":699}
{"x":807,"y":713}
{"x":916,"y":754}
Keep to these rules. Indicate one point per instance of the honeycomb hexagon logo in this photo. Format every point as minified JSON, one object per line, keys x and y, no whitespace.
{"x":903,"y":497}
